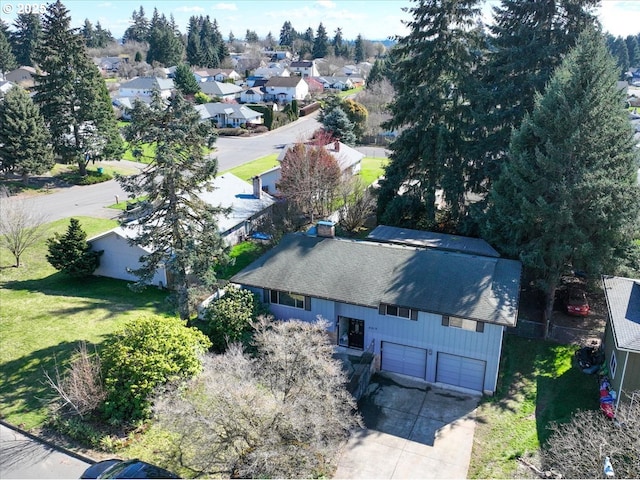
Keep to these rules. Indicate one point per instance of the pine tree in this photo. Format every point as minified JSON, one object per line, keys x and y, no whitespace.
{"x":72,"y":95}
{"x":527,"y":43}
{"x":71,"y":254}
{"x":25,"y":144}
{"x":7,"y":59}
{"x":208,"y":48}
{"x":139,"y":30}
{"x":359,"y":49}
{"x":26,"y":38}
{"x":165,"y":43}
{"x":338,"y":44}
{"x":621,"y":53}
{"x":568,"y":193}
{"x":430,"y":73}
{"x":194,"y":52}
{"x":179,"y":227}
{"x":320,"y":43}
{"x":287,"y":34}
{"x":634,"y":50}
{"x":337,"y":123}
{"x":251,"y":36}
{"x":185,"y":81}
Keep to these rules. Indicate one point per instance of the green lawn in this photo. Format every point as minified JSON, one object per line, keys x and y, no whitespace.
{"x":372,"y":169}
{"x":249,"y":170}
{"x":45,"y":314}
{"x":243,"y":254}
{"x":147,"y":153}
{"x":353,"y":91}
{"x":537,"y":386}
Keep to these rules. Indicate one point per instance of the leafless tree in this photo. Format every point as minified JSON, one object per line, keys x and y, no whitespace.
{"x":375,"y":98}
{"x":20,"y":226}
{"x":309,"y":178}
{"x":79,"y":390}
{"x":357,"y":203}
{"x":578,"y":448}
{"x":281,"y":413}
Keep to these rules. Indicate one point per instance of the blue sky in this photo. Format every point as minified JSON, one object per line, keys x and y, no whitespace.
{"x":373,"y":19}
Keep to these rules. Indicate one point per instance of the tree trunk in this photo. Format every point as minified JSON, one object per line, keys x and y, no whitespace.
{"x":17,"y":260}
{"x":82,"y":167}
{"x":550,"y":296}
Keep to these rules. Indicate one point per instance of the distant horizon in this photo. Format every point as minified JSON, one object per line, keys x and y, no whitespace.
{"x":375,"y":20}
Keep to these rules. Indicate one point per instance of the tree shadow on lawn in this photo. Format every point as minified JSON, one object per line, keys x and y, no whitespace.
{"x":109,"y":294}
{"x":24,"y":388}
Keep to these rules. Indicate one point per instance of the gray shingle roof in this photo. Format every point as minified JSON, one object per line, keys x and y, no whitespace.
{"x":443,"y":241}
{"x":149,"y":83}
{"x":368,"y":273}
{"x":623,"y":302}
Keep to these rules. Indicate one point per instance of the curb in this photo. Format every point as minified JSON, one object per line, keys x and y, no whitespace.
{"x":64,"y":450}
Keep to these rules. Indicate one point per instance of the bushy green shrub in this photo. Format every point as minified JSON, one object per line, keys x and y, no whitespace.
{"x":148,"y":352}
{"x":228,"y":319}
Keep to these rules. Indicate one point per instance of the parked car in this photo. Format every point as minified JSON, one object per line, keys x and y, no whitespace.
{"x":115,"y":468}
{"x":576,"y":302}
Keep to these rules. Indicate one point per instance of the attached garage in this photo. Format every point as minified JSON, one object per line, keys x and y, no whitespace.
{"x":460,"y":371}
{"x":403,"y":359}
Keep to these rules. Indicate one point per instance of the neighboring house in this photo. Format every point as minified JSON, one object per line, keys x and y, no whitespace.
{"x":436,"y":315}
{"x":256,"y":81}
{"x":252,"y":95}
{"x":229,"y":114}
{"x":341,"y":83}
{"x":622,"y":335}
{"x":125,"y":104}
{"x":144,"y":86}
{"x":315,"y":87}
{"x":22,"y":76}
{"x":216,"y":75}
{"x":5,"y":86}
{"x":304,"y":68}
{"x":227,"y":92}
{"x":248,"y":204}
{"x":286,"y":89}
{"x":271,"y":70}
{"x":349,"y":160}
{"x":109,"y":64}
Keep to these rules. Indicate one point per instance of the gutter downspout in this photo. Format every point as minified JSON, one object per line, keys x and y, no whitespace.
{"x":624,"y":370}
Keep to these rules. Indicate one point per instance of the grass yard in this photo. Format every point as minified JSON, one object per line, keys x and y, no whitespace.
{"x":372,"y":169}
{"x":243,"y":254}
{"x":45,"y":314}
{"x":537,"y":386}
{"x":249,"y":170}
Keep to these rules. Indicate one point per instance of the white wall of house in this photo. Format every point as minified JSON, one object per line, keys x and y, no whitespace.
{"x":140,"y":92}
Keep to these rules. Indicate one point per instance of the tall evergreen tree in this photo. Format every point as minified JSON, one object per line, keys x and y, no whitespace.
{"x":568,"y":193}
{"x":621,"y":53}
{"x":338,"y":125}
{"x":185,"y":81}
{"x":165,"y":43}
{"x":139,"y":30}
{"x":340,"y":48}
{"x":26,"y":38}
{"x":430,"y":73}
{"x":251,"y":36}
{"x":194,"y":52}
{"x":25,"y":143}
{"x":359,"y":50}
{"x":179,"y":227}
{"x":72,"y":95}
{"x":320,"y":43}
{"x":287,"y":34}
{"x":7,"y":59}
{"x":634,"y":51}
{"x":222,"y":50}
{"x":527,"y":43}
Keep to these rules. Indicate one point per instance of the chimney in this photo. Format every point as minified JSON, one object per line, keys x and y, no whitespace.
{"x":336,"y":145}
{"x":257,"y":186}
{"x":326,"y":228}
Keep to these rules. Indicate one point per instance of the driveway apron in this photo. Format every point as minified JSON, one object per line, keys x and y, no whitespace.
{"x":413,"y":430}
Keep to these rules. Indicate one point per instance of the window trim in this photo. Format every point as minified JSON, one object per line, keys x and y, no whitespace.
{"x":387,"y":309}
{"x":301,"y":302}
{"x":477,"y":325}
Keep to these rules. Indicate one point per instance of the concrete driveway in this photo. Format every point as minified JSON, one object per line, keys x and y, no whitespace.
{"x":414,"y":430}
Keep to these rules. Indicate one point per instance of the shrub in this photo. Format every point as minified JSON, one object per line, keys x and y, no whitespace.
{"x":71,"y":254}
{"x":260,"y":129}
{"x":229,"y":318}
{"x":147,"y":353}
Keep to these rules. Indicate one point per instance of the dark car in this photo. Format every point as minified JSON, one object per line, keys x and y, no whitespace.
{"x":576,"y":302}
{"x":135,"y":468}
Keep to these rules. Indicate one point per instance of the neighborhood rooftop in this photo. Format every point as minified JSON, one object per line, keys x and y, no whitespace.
{"x":368,"y":274}
{"x":623,"y":300}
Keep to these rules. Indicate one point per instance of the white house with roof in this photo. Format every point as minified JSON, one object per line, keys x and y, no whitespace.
{"x":216,"y":75}
{"x":286,"y":89}
{"x":144,"y":86}
{"x":247,"y":204}
{"x":227,"y":92}
{"x":252,"y":95}
{"x":304,"y":68}
{"x":432,"y":314}
{"x":229,"y":114}
{"x":271,"y":70}
{"x":349,"y":160}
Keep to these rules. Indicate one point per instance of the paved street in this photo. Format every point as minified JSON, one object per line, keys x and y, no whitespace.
{"x":25,"y":457}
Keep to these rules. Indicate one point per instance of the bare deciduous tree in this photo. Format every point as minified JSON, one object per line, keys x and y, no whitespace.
{"x":578,"y":448}
{"x":80,"y":389}
{"x":20,"y":226}
{"x":357,"y":204}
{"x":282,"y":413}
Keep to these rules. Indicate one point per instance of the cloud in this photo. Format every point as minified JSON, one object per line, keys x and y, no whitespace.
{"x":326,"y":3}
{"x":104,"y":5}
{"x":188,"y":9}
{"x":225,"y":6}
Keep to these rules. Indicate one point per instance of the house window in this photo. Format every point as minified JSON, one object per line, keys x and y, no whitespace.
{"x":396,"y":311}
{"x":463,"y":323}
{"x":613,"y":364}
{"x":290,"y":299}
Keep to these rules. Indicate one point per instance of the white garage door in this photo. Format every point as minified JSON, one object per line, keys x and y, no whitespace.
{"x":404,"y":359}
{"x":460,"y":371}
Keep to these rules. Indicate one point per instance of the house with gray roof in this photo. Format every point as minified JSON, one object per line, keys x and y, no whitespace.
{"x":286,"y":89}
{"x":433,"y":314}
{"x":229,"y":114}
{"x":224,"y":91}
{"x":622,"y":335}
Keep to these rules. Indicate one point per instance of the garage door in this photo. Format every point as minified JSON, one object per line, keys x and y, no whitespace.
{"x":404,"y":359}
{"x":460,"y":371}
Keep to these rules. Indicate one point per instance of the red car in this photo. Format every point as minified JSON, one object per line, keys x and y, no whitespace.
{"x":576,"y":302}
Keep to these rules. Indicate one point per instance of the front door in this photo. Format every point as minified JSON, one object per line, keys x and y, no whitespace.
{"x":356,"y":333}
